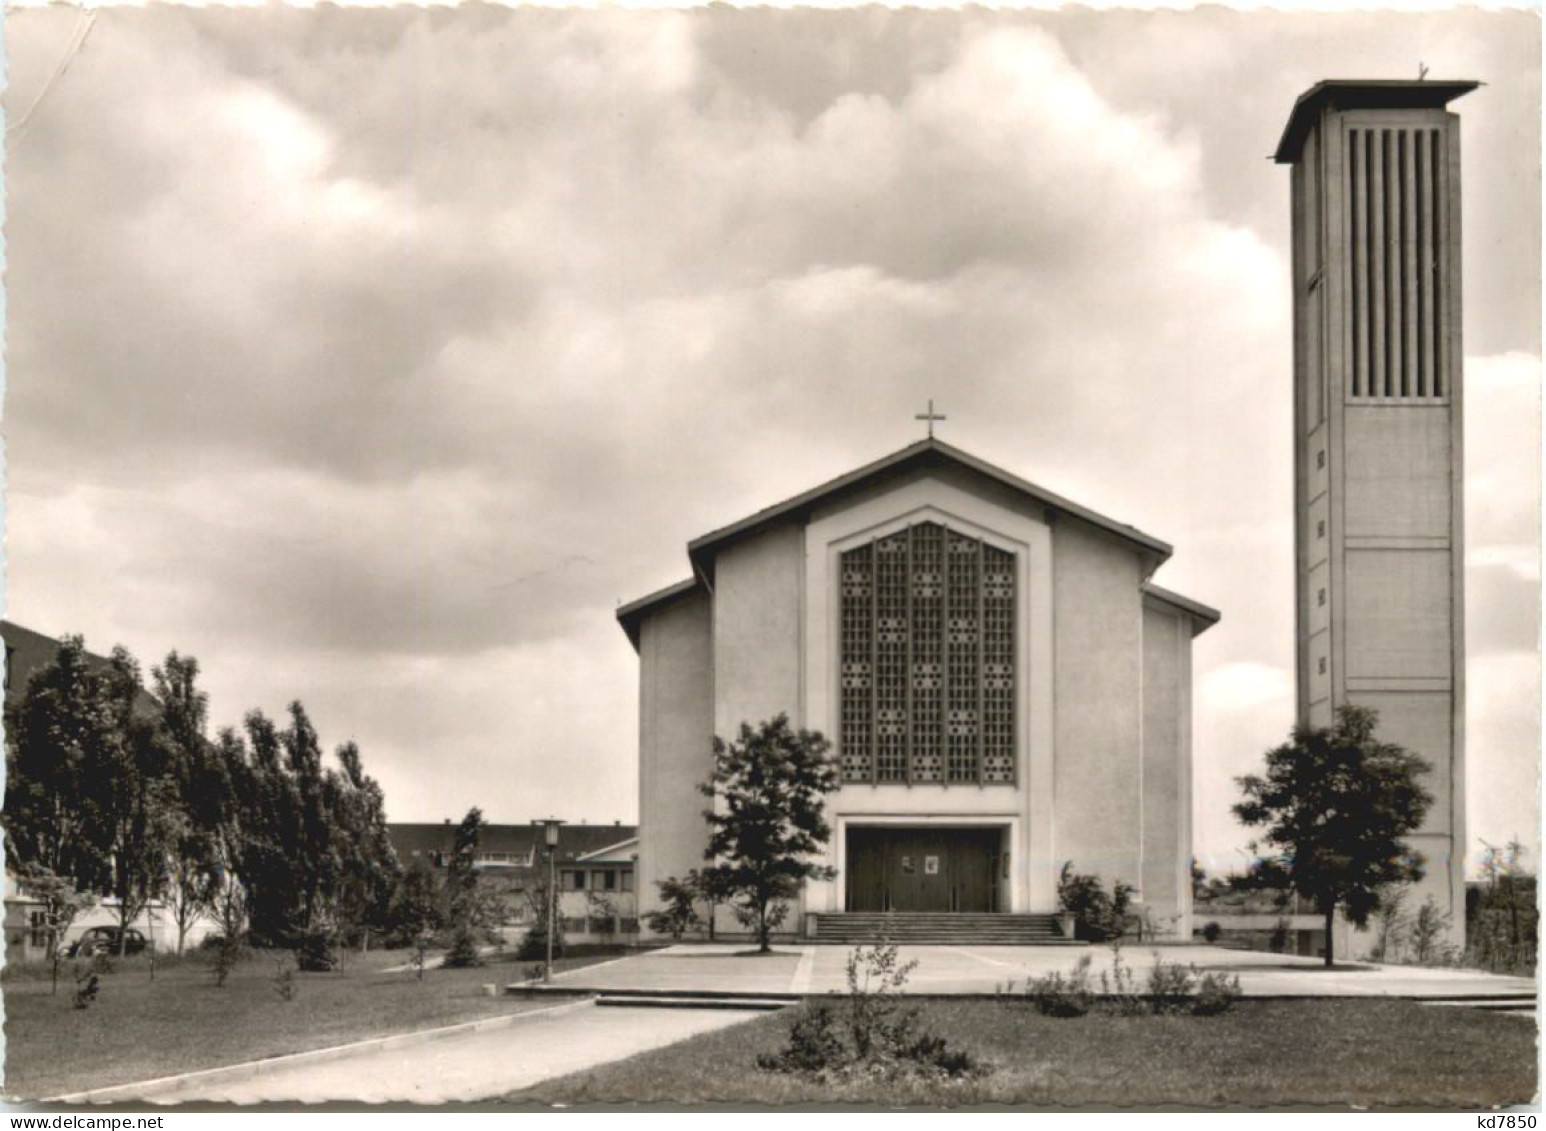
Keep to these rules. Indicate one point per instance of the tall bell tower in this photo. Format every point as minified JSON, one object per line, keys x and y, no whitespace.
{"x":1378,"y":381}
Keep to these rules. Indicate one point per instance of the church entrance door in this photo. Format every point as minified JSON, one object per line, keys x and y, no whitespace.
{"x":922,"y":869}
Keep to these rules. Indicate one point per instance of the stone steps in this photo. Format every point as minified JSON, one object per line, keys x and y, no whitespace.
{"x":940,"y":928}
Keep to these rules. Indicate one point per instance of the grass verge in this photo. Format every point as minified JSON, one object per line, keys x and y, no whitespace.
{"x":182,"y":1022}
{"x":1325,"y":1054}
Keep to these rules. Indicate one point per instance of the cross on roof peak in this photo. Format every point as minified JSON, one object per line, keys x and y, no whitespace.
{"x":930,"y":417}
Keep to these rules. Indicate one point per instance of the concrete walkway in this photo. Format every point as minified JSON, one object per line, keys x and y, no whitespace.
{"x":469,"y":1067}
{"x":983,"y":969}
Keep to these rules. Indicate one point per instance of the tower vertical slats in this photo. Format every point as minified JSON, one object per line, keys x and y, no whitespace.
{"x":1440,"y":235}
{"x":1358,"y":167}
{"x":1393,"y":316}
{"x":1409,"y":304}
{"x":1394,"y":263}
{"x":1425,"y":280}
{"x":1377,"y":371}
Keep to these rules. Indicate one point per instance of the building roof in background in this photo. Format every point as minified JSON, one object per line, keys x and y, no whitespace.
{"x":574,"y":841}
{"x":28,"y":651}
{"x":620,"y":853}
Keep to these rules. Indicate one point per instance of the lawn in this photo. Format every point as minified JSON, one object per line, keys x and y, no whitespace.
{"x":139,"y":1029}
{"x":1363,"y":1052}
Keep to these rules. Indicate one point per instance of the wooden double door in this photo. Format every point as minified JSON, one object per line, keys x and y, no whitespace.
{"x":923,"y":869}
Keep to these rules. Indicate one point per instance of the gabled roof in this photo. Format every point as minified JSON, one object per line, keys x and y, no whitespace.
{"x":574,"y":841}
{"x":926,"y":453}
{"x":1363,"y":94}
{"x":1203,"y":616}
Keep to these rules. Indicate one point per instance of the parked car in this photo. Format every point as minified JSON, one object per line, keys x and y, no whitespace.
{"x":104,"y":940}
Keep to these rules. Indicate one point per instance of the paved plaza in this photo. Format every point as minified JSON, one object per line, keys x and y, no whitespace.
{"x":983,"y":969}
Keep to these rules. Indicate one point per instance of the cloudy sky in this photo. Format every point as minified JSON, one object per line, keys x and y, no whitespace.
{"x":374,"y":356}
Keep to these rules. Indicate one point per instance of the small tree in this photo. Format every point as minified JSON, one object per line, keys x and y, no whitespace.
{"x":769,"y":785}
{"x":415,"y":908}
{"x":229,"y":908}
{"x":1427,"y":932}
{"x":462,"y":906}
{"x":1336,"y":802}
{"x":534,"y":944}
{"x":61,"y":905}
{"x":600,"y":908}
{"x":135,"y":797}
{"x":1389,"y":926}
{"x":204,"y":802}
{"x":678,"y":912}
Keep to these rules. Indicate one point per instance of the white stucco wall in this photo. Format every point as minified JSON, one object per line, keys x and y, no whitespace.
{"x":676,"y":741}
{"x":1167,"y":768}
{"x":1098,"y":686}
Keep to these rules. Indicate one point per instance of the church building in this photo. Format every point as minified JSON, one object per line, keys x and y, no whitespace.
{"x":1005,"y":689}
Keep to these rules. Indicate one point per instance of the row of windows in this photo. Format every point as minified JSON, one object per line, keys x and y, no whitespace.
{"x":595,"y":879}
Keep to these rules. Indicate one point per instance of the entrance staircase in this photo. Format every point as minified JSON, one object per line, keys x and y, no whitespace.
{"x":939,"y":928}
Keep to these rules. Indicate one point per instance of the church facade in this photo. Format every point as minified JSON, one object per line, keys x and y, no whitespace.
{"x":1005,"y":689}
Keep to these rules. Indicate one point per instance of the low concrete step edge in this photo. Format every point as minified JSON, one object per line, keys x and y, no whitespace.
{"x":763,"y":1005}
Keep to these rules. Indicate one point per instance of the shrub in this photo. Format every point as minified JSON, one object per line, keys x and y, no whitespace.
{"x":1119,"y":989}
{"x":1170,"y":986}
{"x":284,"y":978}
{"x":1211,"y":932}
{"x":1215,"y":994}
{"x":1055,"y":995}
{"x":814,"y":1045}
{"x":87,"y":985}
{"x":1099,"y":916}
{"x":464,"y":948}
{"x":870,"y":1033}
{"x":316,"y":951}
{"x":678,"y":913}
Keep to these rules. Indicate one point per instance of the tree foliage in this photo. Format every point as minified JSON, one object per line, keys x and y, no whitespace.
{"x":203,"y":799}
{"x":1335,"y":803}
{"x":678,"y":910}
{"x":118,"y":793}
{"x":54,"y":750}
{"x":465,"y":912}
{"x":767,"y":819}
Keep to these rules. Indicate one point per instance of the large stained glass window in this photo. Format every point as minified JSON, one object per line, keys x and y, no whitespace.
{"x":927,"y":669}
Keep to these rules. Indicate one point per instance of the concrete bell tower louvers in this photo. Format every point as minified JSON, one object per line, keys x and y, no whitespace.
{"x":1380,"y":584}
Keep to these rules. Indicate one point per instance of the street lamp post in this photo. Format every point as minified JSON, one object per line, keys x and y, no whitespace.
{"x":550,"y":838}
